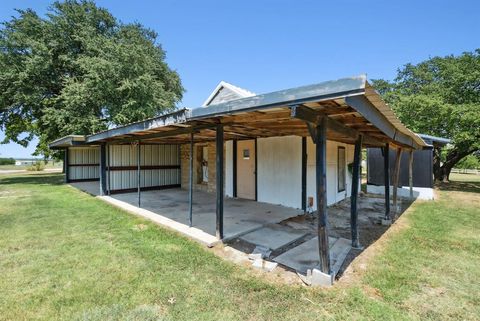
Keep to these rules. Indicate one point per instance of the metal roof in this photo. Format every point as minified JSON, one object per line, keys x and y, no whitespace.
{"x":431,"y":140}
{"x":354,"y":91}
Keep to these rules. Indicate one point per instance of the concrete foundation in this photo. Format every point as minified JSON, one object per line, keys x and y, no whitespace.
{"x":240,"y":216}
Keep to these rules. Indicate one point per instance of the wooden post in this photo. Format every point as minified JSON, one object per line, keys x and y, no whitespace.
{"x":396,"y":174}
{"x":353,"y":197}
{"x":321,"y":182}
{"x":138,"y":174}
{"x":103,"y":162}
{"x":190,"y":188}
{"x":386,"y":172}
{"x":219,"y":180}
{"x":410,"y":173}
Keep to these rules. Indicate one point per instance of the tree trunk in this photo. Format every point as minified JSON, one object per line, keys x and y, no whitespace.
{"x":442,"y":173}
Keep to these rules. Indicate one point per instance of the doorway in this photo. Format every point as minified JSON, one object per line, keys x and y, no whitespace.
{"x":246,"y":169}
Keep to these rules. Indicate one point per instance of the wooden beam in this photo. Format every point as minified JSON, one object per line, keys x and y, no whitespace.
{"x":321,"y":182}
{"x":396,"y":177}
{"x":311,"y":116}
{"x":219,"y":181}
{"x":354,"y":195}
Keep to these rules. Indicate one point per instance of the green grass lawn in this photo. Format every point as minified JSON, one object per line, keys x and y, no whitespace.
{"x":49,"y":164}
{"x":65,"y":255}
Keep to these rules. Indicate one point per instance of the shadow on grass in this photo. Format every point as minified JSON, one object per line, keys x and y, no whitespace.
{"x":456,"y":186}
{"x":33,"y":178}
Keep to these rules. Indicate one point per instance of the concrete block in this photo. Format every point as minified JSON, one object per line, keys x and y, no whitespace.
{"x":386,"y":222}
{"x":264,"y":265}
{"x":321,"y":279}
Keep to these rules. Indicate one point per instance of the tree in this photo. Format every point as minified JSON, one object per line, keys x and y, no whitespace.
{"x":440,"y":97}
{"x":78,"y":70}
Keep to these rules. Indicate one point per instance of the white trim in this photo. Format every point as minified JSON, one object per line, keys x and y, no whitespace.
{"x":223,"y":84}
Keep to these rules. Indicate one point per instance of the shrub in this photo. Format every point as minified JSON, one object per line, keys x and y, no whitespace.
{"x":36,"y":167}
{"x":7,"y":161}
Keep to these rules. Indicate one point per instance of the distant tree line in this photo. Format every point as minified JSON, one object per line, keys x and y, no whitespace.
{"x":7,"y":161}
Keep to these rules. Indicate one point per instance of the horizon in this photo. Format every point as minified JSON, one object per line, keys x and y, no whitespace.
{"x":274,"y":45}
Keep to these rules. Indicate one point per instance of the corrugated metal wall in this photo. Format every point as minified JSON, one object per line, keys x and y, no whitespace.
{"x":83,"y":163}
{"x":160,"y":167}
{"x":422,"y":167}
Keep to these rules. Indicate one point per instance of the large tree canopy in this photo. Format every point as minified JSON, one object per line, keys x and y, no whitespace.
{"x":79,"y":70}
{"x":440,"y":97}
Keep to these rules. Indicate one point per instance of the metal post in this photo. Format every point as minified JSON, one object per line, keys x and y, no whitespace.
{"x":108,"y":168}
{"x":321,"y":181}
{"x":354,"y":196}
{"x":190,"y":189}
{"x":65,"y":165}
{"x":138,"y":174}
{"x":396,"y":174}
{"x":234,"y":162}
{"x":103,"y":162}
{"x":386,"y":172}
{"x":304,"y":174}
{"x":219,"y":180}
{"x":410,"y":172}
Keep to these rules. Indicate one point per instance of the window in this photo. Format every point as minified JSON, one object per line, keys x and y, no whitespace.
{"x":341,"y":169}
{"x":246,"y":153}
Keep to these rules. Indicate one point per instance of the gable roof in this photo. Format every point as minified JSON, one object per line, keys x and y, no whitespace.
{"x":234,"y":92}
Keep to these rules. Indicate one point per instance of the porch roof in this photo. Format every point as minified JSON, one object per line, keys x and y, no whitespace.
{"x":351,"y":105}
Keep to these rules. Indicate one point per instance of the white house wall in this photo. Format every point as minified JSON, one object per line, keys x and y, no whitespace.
{"x":122,"y":161}
{"x":332,"y":159}
{"x":229,"y":168}
{"x":83,"y":163}
{"x":279,"y":172}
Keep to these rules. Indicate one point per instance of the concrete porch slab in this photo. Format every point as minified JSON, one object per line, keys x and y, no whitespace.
{"x":171,"y":205}
{"x":273,"y":236}
{"x":305,"y":256}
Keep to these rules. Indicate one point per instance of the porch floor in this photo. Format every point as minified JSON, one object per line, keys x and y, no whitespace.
{"x":240,"y":216}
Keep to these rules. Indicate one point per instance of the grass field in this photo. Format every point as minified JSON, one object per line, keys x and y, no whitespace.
{"x":49,"y":164}
{"x":65,"y":255}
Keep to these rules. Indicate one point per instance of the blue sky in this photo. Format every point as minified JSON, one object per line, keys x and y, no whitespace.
{"x":273,"y":44}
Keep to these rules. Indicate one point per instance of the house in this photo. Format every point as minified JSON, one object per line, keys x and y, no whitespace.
{"x":422,"y":162}
{"x":298,"y":148}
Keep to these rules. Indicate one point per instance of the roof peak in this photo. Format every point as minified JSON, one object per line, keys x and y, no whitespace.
{"x":241,"y":92}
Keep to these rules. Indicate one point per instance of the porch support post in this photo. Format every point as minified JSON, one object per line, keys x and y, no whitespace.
{"x":219,"y":180}
{"x":107,"y":151}
{"x":304,"y":174}
{"x":190,"y":177}
{"x":65,"y":165}
{"x":354,"y":194}
{"x":410,"y":172}
{"x":234,"y":172}
{"x":386,"y":173}
{"x":396,"y":177}
{"x":138,"y":174}
{"x":321,"y":182}
{"x":103,"y":163}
